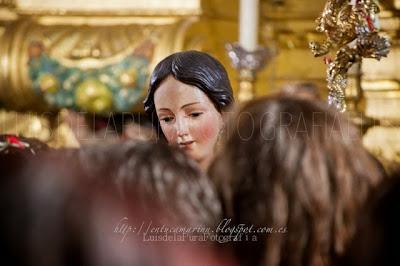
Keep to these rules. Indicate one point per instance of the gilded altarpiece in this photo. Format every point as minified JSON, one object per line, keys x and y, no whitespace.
{"x":88,"y":57}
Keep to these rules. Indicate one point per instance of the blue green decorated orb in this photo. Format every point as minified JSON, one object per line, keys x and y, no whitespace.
{"x":48,"y":83}
{"x":128,"y":78}
{"x":94,"y":96}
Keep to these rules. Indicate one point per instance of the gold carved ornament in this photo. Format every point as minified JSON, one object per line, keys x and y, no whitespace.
{"x":351,"y":27}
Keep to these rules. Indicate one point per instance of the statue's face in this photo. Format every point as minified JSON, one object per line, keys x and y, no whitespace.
{"x":188,"y":119}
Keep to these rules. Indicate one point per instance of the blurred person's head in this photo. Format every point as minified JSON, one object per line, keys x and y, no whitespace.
{"x":53,"y":216}
{"x":55,"y":213}
{"x":20,"y":146}
{"x":376,"y":241}
{"x":16,"y":150}
{"x":295,"y":164}
{"x":304,"y":90}
{"x":157,"y":171}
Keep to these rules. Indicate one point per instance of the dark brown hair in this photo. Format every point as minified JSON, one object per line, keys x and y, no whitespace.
{"x":154,"y":174}
{"x":66,"y":207}
{"x":298,"y":164}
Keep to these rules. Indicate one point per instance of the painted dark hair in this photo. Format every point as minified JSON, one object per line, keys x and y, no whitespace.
{"x":193,"y":68}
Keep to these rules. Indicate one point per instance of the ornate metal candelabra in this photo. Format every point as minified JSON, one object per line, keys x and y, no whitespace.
{"x":351,"y":27}
{"x":248,"y":64}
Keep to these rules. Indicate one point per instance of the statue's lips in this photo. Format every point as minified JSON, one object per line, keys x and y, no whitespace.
{"x":186,"y":144}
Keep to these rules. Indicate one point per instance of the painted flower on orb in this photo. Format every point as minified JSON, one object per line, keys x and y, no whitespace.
{"x":49,"y":83}
{"x":93,"y":96}
{"x":128,"y":78}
